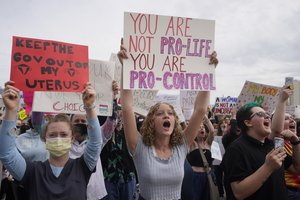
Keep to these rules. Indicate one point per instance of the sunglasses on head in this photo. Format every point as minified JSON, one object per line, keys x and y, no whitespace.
{"x":261,"y":114}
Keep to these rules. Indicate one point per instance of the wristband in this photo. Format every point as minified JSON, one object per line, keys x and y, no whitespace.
{"x":91,"y":107}
{"x":296,"y":143}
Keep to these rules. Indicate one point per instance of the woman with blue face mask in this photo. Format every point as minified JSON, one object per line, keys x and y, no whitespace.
{"x":59,"y":177}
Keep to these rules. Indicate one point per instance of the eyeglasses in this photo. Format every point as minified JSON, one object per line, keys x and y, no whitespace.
{"x":261,"y":114}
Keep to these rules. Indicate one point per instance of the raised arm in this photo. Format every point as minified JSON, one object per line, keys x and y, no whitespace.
{"x":93,"y":147}
{"x":201,"y":103}
{"x":211,"y":130}
{"x":109,"y":126}
{"x":279,"y":114}
{"x":130,"y":128}
{"x":9,"y":155}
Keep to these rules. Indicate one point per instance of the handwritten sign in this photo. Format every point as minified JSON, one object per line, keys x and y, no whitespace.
{"x":187,"y":99}
{"x":44,"y":65}
{"x":265,"y":95}
{"x":101,"y":77}
{"x":118,"y":69}
{"x":143,"y":100}
{"x":168,"y":53}
{"x":224,"y":105}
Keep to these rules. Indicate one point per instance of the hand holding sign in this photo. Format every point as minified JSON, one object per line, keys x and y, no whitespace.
{"x":11,"y":97}
{"x":88,"y":96}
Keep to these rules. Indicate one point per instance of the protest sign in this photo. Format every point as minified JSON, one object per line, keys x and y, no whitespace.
{"x":265,"y":95}
{"x":118,"y":69}
{"x":143,"y":100}
{"x":174,"y":101}
{"x":224,"y":105}
{"x":216,"y":151}
{"x":168,"y":53}
{"x":44,"y":65}
{"x":101,"y":77}
{"x":187,"y":99}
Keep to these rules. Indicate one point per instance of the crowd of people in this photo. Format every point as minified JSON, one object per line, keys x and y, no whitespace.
{"x":119,"y":157}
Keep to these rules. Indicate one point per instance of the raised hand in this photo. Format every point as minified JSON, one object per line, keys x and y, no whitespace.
{"x":11,"y":96}
{"x":88,"y":95}
{"x":122,"y":54}
{"x":213,"y":59}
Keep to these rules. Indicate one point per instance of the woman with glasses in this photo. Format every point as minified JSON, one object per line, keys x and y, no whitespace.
{"x":253,"y":168}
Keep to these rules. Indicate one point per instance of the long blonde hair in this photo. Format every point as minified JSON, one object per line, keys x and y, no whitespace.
{"x":148,"y":127}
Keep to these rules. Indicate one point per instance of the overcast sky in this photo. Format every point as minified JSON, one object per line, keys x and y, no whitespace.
{"x":257,"y":40}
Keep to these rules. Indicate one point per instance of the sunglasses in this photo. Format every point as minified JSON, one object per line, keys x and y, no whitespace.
{"x":261,"y":114}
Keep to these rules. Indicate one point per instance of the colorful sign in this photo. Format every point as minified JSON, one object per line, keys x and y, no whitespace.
{"x":224,"y":105}
{"x":101,"y":77}
{"x":168,"y":53}
{"x":44,"y":65}
{"x":265,"y":95}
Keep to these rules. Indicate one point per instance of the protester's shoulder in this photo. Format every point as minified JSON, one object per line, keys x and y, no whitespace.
{"x":237,"y":145}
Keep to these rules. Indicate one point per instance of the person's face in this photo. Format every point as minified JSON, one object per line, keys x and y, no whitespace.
{"x":59,"y":129}
{"x":164,"y":120}
{"x":289,"y":123}
{"x":201,"y":131}
{"x":260,"y":121}
{"x":79,"y":119}
{"x":18,"y":123}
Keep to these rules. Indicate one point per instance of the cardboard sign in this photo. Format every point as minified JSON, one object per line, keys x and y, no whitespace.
{"x":44,"y":65}
{"x":168,"y":53}
{"x":174,"y":101}
{"x":224,"y":105}
{"x":187,"y":99}
{"x":265,"y":95}
{"x":143,"y":100}
{"x":216,"y":151}
{"x":101,"y":77}
{"x":118,"y":69}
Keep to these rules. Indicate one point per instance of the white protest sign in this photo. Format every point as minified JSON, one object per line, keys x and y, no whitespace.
{"x":265,"y":95}
{"x":187,"y":99}
{"x":224,"y":105}
{"x":168,"y":53}
{"x":215,"y":151}
{"x":174,"y":101}
{"x":118,"y":69}
{"x":143,"y":100}
{"x":101,"y":75}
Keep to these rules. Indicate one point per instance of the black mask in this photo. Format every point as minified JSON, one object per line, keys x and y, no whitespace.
{"x":80,"y":128}
{"x":24,"y":128}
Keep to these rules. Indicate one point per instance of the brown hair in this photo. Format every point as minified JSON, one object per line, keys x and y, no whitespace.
{"x":58,"y":118}
{"x":148,"y":127}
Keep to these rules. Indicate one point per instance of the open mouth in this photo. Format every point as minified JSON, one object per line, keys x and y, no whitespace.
{"x":266,"y":123}
{"x":292,"y":126}
{"x":166,"y":124}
